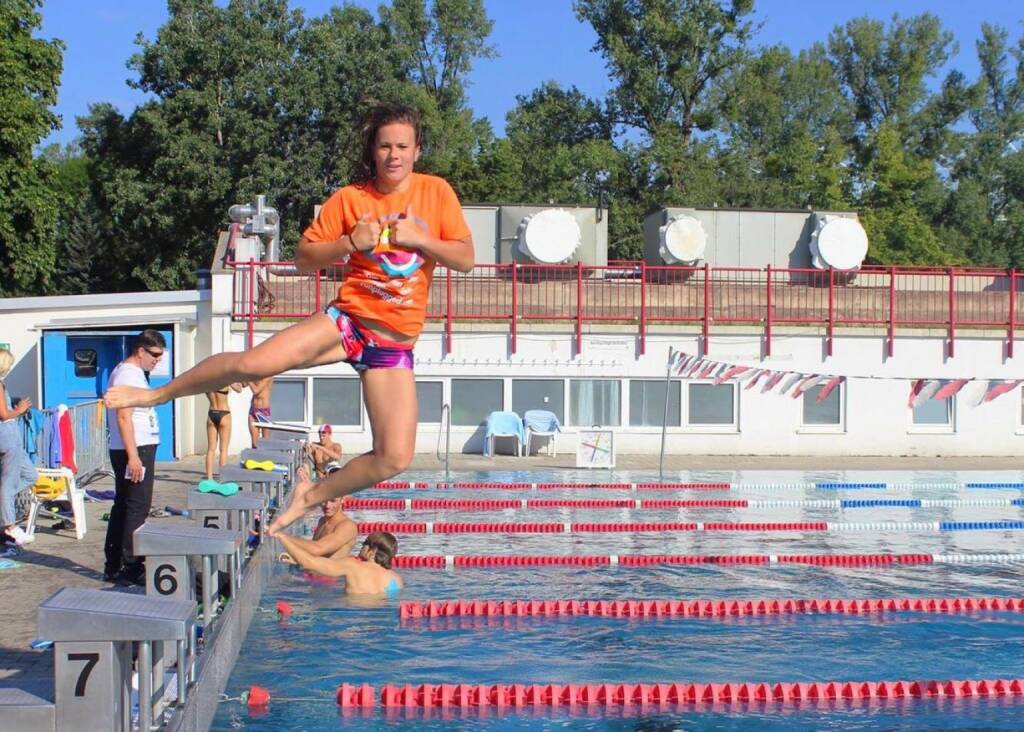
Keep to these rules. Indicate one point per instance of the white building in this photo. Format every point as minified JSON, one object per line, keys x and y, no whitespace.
{"x":591,"y":344}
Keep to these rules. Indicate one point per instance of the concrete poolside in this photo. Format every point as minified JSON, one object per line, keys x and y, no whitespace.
{"x":56,"y":559}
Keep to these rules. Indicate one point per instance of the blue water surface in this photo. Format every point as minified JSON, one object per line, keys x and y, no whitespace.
{"x":332,"y":640}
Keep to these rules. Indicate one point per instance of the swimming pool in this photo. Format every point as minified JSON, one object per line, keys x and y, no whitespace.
{"x":329,"y":640}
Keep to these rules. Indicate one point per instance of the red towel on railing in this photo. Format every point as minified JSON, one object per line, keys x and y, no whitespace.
{"x":67,"y":440}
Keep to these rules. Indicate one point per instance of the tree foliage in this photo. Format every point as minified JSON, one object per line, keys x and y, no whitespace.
{"x":28,"y":202}
{"x":870,"y":118}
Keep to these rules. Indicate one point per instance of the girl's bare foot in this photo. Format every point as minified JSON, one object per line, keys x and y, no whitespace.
{"x":296,"y":507}
{"x":119,"y":397}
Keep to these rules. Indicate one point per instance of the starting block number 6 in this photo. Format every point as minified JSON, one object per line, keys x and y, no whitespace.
{"x":169,"y":576}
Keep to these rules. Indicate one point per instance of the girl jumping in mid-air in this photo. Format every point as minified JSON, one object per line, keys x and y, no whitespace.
{"x":393,"y":226}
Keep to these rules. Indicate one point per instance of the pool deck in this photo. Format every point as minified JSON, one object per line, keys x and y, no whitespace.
{"x":57,"y":560}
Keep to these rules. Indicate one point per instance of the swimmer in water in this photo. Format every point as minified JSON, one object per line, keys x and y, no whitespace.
{"x":334,"y":535}
{"x":368,"y":573}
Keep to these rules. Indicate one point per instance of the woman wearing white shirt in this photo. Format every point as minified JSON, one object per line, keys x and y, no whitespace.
{"x":134,"y":436}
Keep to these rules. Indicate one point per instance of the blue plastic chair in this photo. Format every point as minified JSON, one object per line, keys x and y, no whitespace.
{"x":504,"y":424}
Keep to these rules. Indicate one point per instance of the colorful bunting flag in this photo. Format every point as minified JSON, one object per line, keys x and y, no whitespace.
{"x":950,"y":389}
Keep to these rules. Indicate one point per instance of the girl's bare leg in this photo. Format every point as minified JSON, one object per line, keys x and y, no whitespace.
{"x":211,"y":446}
{"x":224,"y":438}
{"x":313,"y":341}
{"x":390,"y":396}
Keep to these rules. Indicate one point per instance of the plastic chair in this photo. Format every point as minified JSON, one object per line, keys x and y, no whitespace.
{"x":504,"y":424}
{"x":541,"y":423}
{"x":55,"y":484}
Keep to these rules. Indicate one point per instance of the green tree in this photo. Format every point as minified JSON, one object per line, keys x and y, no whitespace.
{"x":904,"y":135}
{"x":785,"y":130}
{"x":30,"y":76}
{"x":269,"y":109}
{"x":79,"y":241}
{"x":435,"y":46}
{"x":562,"y":142}
{"x":986,"y":209}
{"x":665,"y":57}
{"x":896,"y":228}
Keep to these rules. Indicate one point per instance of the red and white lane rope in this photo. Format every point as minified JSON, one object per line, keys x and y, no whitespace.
{"x":442,"y":561}
{"x":416,"y":609}
{"x":513,"y":696}
{"x":568,"y":527}
{"x":499,"y":504}
{"x":700,"y":486}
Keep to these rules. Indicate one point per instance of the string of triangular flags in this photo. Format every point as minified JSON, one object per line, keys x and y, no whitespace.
{"x":796,"y":383}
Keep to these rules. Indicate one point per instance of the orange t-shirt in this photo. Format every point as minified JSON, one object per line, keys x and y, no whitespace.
{"x":389,"y":285}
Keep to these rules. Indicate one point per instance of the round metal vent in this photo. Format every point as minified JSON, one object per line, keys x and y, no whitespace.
{"x":838,"y":242}
{"x":682,"y":240}
{"x":550,"y":236}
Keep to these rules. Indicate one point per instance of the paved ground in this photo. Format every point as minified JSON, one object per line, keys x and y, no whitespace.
{"x":57,"y":560}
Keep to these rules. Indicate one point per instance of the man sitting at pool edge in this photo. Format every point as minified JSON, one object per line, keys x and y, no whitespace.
{"x":369,"y":573}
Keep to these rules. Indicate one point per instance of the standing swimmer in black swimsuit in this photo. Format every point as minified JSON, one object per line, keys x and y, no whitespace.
{"x":218,"y":426}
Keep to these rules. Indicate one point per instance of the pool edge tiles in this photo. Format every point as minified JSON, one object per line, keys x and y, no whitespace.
{"x":217,"y":662}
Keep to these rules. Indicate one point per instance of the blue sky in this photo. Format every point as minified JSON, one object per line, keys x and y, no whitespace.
{"x":536,"y":41}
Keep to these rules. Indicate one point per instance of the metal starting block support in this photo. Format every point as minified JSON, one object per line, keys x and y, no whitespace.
{"x":93,"y":632}
{"x":284,"y":458}
{"x":268,"y":482}
{"x":169,"y":550}
{"x":237,"y":513}
{"x":271,"y":443}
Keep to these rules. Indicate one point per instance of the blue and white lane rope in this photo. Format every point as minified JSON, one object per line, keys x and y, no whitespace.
{"x":712,"y":488}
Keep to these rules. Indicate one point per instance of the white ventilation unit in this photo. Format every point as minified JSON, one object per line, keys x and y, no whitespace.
{"x":682,"y":240}
{"x":838,"y":243}
{"x":551,"y":236}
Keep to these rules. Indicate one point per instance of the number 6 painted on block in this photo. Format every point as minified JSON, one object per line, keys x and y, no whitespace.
{"x":163,"y":577}
{"x":91,"y":659}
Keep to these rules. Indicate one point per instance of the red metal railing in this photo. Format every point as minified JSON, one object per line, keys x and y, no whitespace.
{"x":642,"y":295}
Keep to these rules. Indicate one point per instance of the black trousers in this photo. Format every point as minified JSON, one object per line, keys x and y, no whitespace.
{"x":131,"y":507}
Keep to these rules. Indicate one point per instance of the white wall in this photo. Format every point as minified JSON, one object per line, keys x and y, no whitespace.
{"x":876,"y":418}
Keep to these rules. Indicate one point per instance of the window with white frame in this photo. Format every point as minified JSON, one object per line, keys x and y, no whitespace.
{"x":827,"y":412}
{"x":430,"y":398}
{"x":595,"y":402}
{"x":288,"y":400}
{"x":337,"y":401}
{"x":933,"y":414}
{"x":711,"y":405}
{"x":474,"y":399}
{"x":546,"y":394}
{"x":647,"y":403}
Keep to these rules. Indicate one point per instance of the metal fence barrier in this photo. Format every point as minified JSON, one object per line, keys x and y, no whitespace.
{"x":89,"y":427}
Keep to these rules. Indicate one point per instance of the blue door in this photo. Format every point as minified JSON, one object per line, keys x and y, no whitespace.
{"x":77,"y":366}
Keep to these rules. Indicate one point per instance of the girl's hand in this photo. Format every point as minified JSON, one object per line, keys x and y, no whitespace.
{"x":406,"y":232}
{"x":24,"y":405}
{"x":366,"y":233}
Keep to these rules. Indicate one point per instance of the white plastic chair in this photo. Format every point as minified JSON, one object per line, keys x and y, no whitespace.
{"x":71,"y":492}
{"x":541,"y":423}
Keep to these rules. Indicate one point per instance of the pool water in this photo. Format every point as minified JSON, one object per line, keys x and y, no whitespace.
{"x":331,"y":640}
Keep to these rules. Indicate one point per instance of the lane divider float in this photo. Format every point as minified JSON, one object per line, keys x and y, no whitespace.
{"x":615,"y":695}
{"x":428,"y":609}
{"x":500,"y":504}
{"x":442,"y":561}
{"x":697,"y":486}
{"x":568,"y":527}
